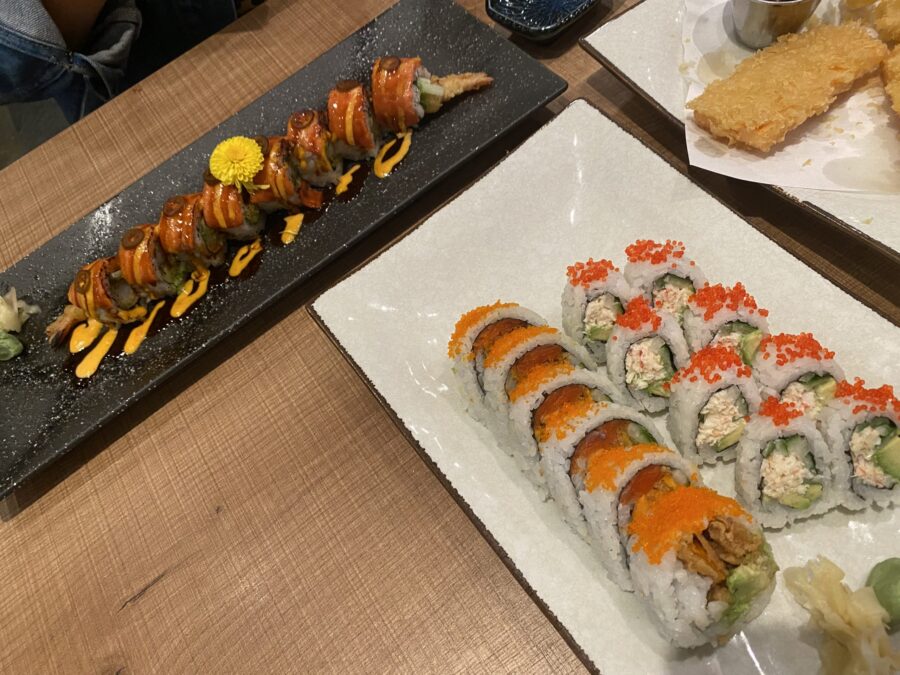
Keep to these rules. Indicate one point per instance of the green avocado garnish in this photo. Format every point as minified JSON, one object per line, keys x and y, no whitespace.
{"x":747,"y":581}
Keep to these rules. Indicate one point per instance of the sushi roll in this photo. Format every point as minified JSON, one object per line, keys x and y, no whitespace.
{"x":785,"y":471}
{"x":228,"y":210}
{"x":184,"y":233}
{"x":663,"y":274}
{"x":473,"y":336}
{"x":514,"y":355}
{"x":645,"y":349}
{"x":350,"y":122}
{"x":146,"y":267}
{"x":860,"y":425}
{"x":403,"y":91}
{"x":570,"y":432}
{"x":101,"y":293}
{"x":279,"y":173}
{"x":699,"y":562}
{"x":719,"y":314}
{"x":310,"y":139}
{"x":611,"y":485}
{"x":709,"y":404}
{"x":595,"y":294}
{"x":797,"y":369}
{"x":539,"y":393}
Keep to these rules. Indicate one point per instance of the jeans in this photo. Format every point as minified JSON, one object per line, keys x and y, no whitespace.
{"x":35,"y":63}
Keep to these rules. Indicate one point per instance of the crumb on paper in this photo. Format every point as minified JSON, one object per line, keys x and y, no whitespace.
{"x":868,"y":221}
{"x":807,"y":162}
{"x":838,"y":130}
{"x":683,"y":68}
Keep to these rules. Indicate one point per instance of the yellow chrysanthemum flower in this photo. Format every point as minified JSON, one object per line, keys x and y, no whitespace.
{"x":235,"y":161}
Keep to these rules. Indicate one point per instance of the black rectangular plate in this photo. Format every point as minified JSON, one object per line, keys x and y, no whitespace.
{"x":46,"y":410}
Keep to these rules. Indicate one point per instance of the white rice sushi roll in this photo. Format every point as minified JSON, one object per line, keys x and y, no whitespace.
{"x":595,"y":294}
{"x":860,"y":425}
{"x":719,"y":314}
{"x":511,"y":358}
{"x":644,"y":351}
{"x":475,"y":333}
{"x":785,"y":471}
{"x":709,"y":403}
{"x":700,"y":563}
{"x":569,"y":434}
{"x":798,"y":370}
{"x":663,"y":274}
{"x":540,"y":393}
{"x":610,"y":486}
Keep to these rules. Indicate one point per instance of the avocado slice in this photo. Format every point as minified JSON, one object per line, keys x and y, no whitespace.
{"x":599,"y":333}
{"x":811,"y":493}
{"x":750,"y":345}
{"x":639,"y":434}
{"x":748,"y":580}
{"x":887,"y":457}
{"x":825,"y":389}
{"x":659,"y":389}
{"x":733,"y":437}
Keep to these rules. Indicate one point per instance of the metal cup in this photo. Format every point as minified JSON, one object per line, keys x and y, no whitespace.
{"x":759,"y":22}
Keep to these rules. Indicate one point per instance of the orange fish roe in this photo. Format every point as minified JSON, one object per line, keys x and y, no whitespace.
{"x":467,"y":321}
{"x":513,"y":339}
{"x":563,"y":418}
{"x":872,"y":400}
{"x":661,"y":524}
{"x":713,"y":299}
{"x":781,"y":413}
{"x":539,"y":375}
{"x":710,"y":362}
{"x":637,"y":314}
{"x":584,"y":274}
{"x":787,"y":348}
{"x":604,"y":467}
{"x":647,"y":250}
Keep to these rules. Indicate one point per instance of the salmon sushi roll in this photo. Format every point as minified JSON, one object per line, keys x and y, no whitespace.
{"x":227,"y":209}
{"x":317,"y":162}
{"x":475,"y":333}
{"x":350,"y":122}
{"x":719,"y":314}
{"x":184,"y":233}
{"x":280,"y":174}
{"x":612,"y":483}
{"x":663,"y":273}
{"x":146,"y":267}
{"x":99,"y":292}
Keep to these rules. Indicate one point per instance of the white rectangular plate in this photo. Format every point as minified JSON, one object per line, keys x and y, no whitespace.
{"x":644,"y":45}
{"x":582,"y":187}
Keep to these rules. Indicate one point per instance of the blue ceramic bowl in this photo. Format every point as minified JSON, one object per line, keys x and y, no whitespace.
{"x":536,"y":19}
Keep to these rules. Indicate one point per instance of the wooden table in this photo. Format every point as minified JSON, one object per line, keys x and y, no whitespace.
{"x":291,"y":527}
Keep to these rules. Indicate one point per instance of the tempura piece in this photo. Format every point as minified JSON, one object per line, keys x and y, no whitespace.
{"x":782,"y":86}
{"x":890,"y":73}
{"x":887,"y":20}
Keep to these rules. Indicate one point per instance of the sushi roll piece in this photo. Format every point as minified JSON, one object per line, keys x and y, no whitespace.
{"x":570,"y":432}
{"x":228,"y":209}
{"x":403,"y":91}
{"x":184,"y":233}
{"x":860,"y":425}
{"x":709,"y":404}
{"x":279,"y":173}
{"x":513,"y":356}
{"x":611,"y":485}
{"x":700,"y":563}
{"x":146,"y":267}
{"x":798,"y":370}
{"x":645,"y":349}
{"x":319,"y":165}
{"x":663,"y":274}
{"x":350,"y":122}
{"x":595,"y":294}
{"x":473,"y":336}
{"x":719,"y":314}
{"x":539,"y":393}
{"x":785,"y":471}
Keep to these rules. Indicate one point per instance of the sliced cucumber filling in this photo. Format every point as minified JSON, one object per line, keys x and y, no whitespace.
{"x":789,"y":473}
{"x":431,"y":95}
{"x":721,"y":420}
{"x":671,"y":293}
{"x":744,"y":337}
{"x":639,"y":434}
{"x":600,"y":317}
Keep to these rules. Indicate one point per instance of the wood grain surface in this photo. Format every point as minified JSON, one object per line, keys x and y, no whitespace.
{"x":261,"y":512}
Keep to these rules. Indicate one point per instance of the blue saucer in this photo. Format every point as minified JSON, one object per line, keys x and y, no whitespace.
{"x":536,"y":19}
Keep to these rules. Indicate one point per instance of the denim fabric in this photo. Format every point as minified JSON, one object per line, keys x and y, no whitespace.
{"x":35,"y":63}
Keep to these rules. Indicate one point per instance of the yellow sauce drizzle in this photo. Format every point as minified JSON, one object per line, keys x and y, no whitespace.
{"x":138,"y":333}
{"x":84,"y":335}
{"x":382,"y":167}
{"x":243,"y":257}
{"x":129,"y":315}
{"x":346,"y":179}
{"x":291,"y":228}
{"x":92,"y":359}
{"x":188,"y":295}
